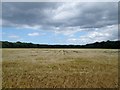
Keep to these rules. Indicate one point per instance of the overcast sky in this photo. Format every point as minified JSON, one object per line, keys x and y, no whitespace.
{"x":60,"y":23}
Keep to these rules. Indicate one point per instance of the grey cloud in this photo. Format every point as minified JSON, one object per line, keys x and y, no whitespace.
{"x":96,"y":15}
{"x":25,"y":13}
{"x":85,"y":15}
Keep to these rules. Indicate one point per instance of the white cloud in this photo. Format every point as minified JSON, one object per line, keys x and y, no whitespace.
{"x":0,"y":22}
{"x":14,"y":36}
{"x":97,"y":35}
{"x":68,"y":31}
{"x":33,"y":34}
{"x":66,"y":11}
{"x":35,"y":27}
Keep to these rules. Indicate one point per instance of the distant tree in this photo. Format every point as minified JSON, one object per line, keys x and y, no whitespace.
{"x":103,"y":44}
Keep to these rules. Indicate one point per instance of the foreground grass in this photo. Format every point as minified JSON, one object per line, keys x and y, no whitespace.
{"x":60,"y":68}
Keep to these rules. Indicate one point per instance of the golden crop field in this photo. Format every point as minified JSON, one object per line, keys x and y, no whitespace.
{"x":60,"y":68}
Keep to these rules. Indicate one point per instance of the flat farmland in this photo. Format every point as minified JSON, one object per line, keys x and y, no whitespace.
{"x":59,"y":68}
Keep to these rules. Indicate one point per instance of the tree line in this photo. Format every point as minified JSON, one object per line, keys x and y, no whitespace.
{"x":104,"y":44}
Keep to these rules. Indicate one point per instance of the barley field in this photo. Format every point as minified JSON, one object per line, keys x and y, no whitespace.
{"x":60,"y":68}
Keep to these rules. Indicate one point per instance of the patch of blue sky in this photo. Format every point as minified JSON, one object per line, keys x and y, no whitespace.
{"x":81,"y":33}
{"x":60,"y":39}
{"x":45,"y":37}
